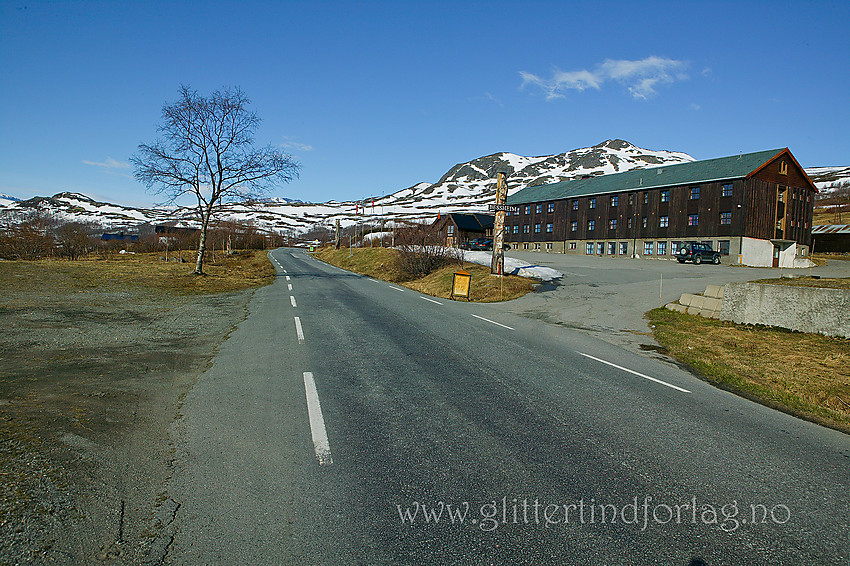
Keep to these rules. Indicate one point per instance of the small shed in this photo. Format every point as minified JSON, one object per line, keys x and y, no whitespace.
{"x":832,"y":238}
{"x":455,"y":228}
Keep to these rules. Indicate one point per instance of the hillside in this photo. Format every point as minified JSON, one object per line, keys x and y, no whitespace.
{"x":466,"y":187}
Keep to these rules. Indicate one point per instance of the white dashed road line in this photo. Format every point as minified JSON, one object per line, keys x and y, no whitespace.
{"x":431,"y":300}
{"x":290,"y":286}
{"x":635,"y":373}
{"x":292,"y":300}
{"x":396,"y":288}
{"x":493,"y":322}
{"x":317,"y":422}
{"x":299,"y":331}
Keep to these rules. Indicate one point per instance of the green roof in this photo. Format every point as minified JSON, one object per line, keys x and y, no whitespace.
{"x":708,"y":170}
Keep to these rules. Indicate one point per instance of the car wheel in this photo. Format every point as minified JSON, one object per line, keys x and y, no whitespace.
{"x":697,"y":260}
{"x":716,"y":260}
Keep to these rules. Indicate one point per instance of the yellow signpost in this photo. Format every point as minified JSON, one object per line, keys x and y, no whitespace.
{"x":460,"y":284}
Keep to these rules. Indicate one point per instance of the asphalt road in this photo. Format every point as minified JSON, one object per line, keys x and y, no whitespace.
{"x":545,"y":445}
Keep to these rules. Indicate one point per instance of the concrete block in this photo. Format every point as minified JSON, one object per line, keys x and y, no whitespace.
{"x":698,"y":301}
{"x":715,"y":291}
{"x":712,"y":304}
{"x":685,"y":299}
{"x":677,"y":307}
{"x":705,"y":313}
{"x":694,"y":310}
{"x":713,"y":314}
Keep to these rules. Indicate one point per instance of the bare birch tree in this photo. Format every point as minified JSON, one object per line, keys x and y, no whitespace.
{"x":206,"y":150}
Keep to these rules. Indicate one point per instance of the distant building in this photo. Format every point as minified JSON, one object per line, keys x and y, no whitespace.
{"x":455,"y":228}
{"x":834,"y":238}
{"x":121,"y":237}
{"x":755,"y":208}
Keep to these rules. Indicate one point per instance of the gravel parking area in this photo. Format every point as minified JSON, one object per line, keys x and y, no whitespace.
{"x":91,"y":381}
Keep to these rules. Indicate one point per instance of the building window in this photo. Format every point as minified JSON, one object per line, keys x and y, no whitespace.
{"x":663,"y":221}
{"x":525,"y":246}
{"x":549,"y":228}
{"x":538,"y":209}
{"x":528,"y":209}
{"x":612,"y":248}
{"x":727,"y":190}
{"x":572,"y":245}
{"x":644,"y":221}
{"x":630,"y":223}
{"x":662,"y":248}
{"x":615,"y":201}
{"x":631,"y":199}
{"x":575,"y":205}
{"x":624,"y":248}
{"x":589,"y":250}
{"x":574,"y":226}
{"x":548,"y":246}
{"x":551,"y":207}
{"x":693,"y":219}
{"x":537,"y":228}
{"x":600,"y":248}
{"x":783,"y":168}
{"x":723,"y":247}
{"x":646,"y":198}
{"x":450,"y":230}
{"x":592,"y":203}
{"x":647,"y":248}
{"x":725,"y":218}
{"x":525,"y":229}
{"x":591,"y":225}
{"x":665,"y":196}
{"x":694,"y":193}
{"x":612,"y":224}
{"x":516,"y":228}
{"x":537,"y":247}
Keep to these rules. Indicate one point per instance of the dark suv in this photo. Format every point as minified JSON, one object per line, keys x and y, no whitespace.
{"x":697,"y":252}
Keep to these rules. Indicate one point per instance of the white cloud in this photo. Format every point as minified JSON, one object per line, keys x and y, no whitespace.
{"x":290,"y":143}
{"x":109,"y":164}
{"x":641,"y":77}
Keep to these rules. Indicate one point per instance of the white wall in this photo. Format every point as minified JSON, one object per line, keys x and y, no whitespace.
{"x":756,"y":253}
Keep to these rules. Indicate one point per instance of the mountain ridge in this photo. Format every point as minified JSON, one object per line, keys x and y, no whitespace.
{"x":466,"y":187}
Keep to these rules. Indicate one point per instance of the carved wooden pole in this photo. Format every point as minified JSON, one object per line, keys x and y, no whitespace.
{"x":497,"y":264}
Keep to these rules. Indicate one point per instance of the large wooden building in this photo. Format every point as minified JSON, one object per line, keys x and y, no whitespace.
{"x":756,"y":208}
{"x":455,"y":228}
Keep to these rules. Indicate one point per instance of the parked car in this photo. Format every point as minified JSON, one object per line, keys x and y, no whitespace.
{"x":483,"y":244}
{"x":697,"y":252}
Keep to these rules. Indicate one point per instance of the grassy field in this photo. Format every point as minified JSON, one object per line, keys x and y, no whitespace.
{"x":807,"y":375}
{"x":380,"y":264}
{"x":244,"y":270}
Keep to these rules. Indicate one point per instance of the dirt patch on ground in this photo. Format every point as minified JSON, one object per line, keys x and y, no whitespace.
{"x":91,"y":379}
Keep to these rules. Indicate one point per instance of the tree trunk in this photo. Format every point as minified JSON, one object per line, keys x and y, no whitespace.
{"x":202,"y":244}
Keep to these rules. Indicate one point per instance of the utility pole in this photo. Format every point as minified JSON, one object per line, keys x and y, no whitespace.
{"x":497,"y":264}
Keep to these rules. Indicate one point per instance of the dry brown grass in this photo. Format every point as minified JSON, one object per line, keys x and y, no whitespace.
{"x":807,"y":375}
{"x":379,"y":263}
{"x":245,"y":270}
{"x":823,"y":283}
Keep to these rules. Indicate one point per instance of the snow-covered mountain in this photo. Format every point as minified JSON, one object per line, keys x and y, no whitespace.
{"x":6,"y":200}
{"x":828,"y":179}
{"x":466,"y":187}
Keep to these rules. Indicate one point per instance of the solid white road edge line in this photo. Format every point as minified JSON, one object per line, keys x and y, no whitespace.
{"x":493,"y":322}
{"x":299,"y":331}
{"x":317,"y":422}
{"x":292,"y":300}
{"x":670,"y":385}
{"x":431,"y":300}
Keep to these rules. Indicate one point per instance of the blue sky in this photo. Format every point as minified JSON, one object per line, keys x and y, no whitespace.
{"x":373,"y":97}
